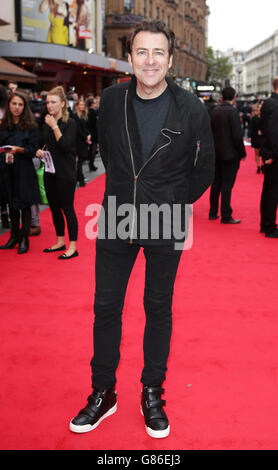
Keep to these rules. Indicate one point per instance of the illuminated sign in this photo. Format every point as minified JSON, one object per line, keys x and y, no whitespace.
{"x":205,"y":88}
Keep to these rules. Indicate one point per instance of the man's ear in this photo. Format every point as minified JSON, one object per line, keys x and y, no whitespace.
{"x":129,"y":59}
{"x":170,"y":61}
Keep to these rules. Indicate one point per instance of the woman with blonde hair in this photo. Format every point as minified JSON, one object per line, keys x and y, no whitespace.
{"x":59,"y":138}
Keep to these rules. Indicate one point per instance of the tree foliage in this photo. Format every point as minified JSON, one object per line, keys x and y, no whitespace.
{"x":219,"y":69}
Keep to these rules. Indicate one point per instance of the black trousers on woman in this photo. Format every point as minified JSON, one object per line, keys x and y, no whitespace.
{"x":60,"y":196}
{"x":114,"y":263}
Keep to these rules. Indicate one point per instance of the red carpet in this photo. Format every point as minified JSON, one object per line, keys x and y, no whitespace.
{"x":221,"y":387}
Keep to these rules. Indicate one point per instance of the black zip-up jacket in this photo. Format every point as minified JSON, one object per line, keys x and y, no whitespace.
{"x":269,"y":128}
{"x":181,"y":165}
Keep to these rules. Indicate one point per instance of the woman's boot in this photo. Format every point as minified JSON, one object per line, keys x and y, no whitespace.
{"x":23,"y":246}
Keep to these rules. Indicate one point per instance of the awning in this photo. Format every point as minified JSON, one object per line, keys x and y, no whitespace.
{"x":38,"y":50}
{"x":9,"y":71}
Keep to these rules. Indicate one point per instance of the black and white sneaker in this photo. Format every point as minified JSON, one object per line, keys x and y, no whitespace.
{"x":101,"y":404}
{"x":156,"y":420}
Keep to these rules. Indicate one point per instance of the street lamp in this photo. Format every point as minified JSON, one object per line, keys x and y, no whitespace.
{"x":239,"y":72}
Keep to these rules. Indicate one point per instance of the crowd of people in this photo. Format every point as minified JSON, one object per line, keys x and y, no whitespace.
{"x":235,"y":123}
{"x":55,"y":126}
{"x":25,"y":126}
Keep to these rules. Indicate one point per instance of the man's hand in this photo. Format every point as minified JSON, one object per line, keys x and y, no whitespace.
{"x":269,"y":161}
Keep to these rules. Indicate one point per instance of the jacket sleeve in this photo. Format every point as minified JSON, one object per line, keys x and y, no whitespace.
{"x":68,"y":140}
{"x":102,"y":128}
{"x":203,"y":157}
{"x":33,"y":144}
{"x":269,"y":114}
{"x":237,"y":132}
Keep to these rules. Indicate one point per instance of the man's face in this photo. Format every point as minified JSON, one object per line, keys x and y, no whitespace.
{"x":150,"y":59}
{"x":12,"y":87}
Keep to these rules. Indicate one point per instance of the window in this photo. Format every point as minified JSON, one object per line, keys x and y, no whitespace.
{"x":151,"y":9}
{"x":128,"y":6}
{"x":144,"y":6}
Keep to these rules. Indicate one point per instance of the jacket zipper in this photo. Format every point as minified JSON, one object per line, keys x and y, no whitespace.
{"x":142,"y":168}
{"x":197,"y":152}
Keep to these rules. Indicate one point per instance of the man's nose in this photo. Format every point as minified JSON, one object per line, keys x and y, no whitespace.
{"x":150,"y":58}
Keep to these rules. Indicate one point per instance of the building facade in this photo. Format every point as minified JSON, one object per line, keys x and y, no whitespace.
{"x":238,"y":74}
{"x":188,"y":19}
{"x":262,"y":66}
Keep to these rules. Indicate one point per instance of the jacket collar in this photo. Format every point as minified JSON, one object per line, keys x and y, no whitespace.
{"x":226,"y":103}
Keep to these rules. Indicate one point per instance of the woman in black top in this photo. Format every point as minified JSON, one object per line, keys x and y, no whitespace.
{"x":83,"y":137}
{"x":92,"y":124}
{"x":19,"y":130}
{"x":255,"y":135}
{"x":59,"y":138}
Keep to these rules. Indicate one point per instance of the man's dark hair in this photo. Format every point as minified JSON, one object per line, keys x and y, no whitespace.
{"x":228,"y":93}
{"x":275,"y":83}
{"x":152,"y":26}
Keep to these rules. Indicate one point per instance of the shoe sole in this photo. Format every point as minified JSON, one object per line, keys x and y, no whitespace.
{"x":89,"y":427}
{"x":156,"y":434}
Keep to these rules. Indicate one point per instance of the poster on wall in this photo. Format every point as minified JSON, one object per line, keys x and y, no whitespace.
{"x":64,"y":22}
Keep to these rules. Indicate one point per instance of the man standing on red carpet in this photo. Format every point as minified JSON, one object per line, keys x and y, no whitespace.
{"x":269,"y":153}
{"x":229,"y":150}
{"x":157,"y":147}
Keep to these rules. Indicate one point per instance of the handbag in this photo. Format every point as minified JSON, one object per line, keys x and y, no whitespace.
{"x":40,"y":174}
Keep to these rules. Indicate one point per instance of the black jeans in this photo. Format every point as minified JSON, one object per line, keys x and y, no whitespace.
{"x":114,"y":263}
{"x":224,"y":180}
{"x":269,"y":198}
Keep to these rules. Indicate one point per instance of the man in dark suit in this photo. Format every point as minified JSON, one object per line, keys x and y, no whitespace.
{"x":229,"y":149}
{"x":269,"y":153}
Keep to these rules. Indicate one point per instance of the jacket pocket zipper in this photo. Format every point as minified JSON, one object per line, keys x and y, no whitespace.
{"x":197,"y":152}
